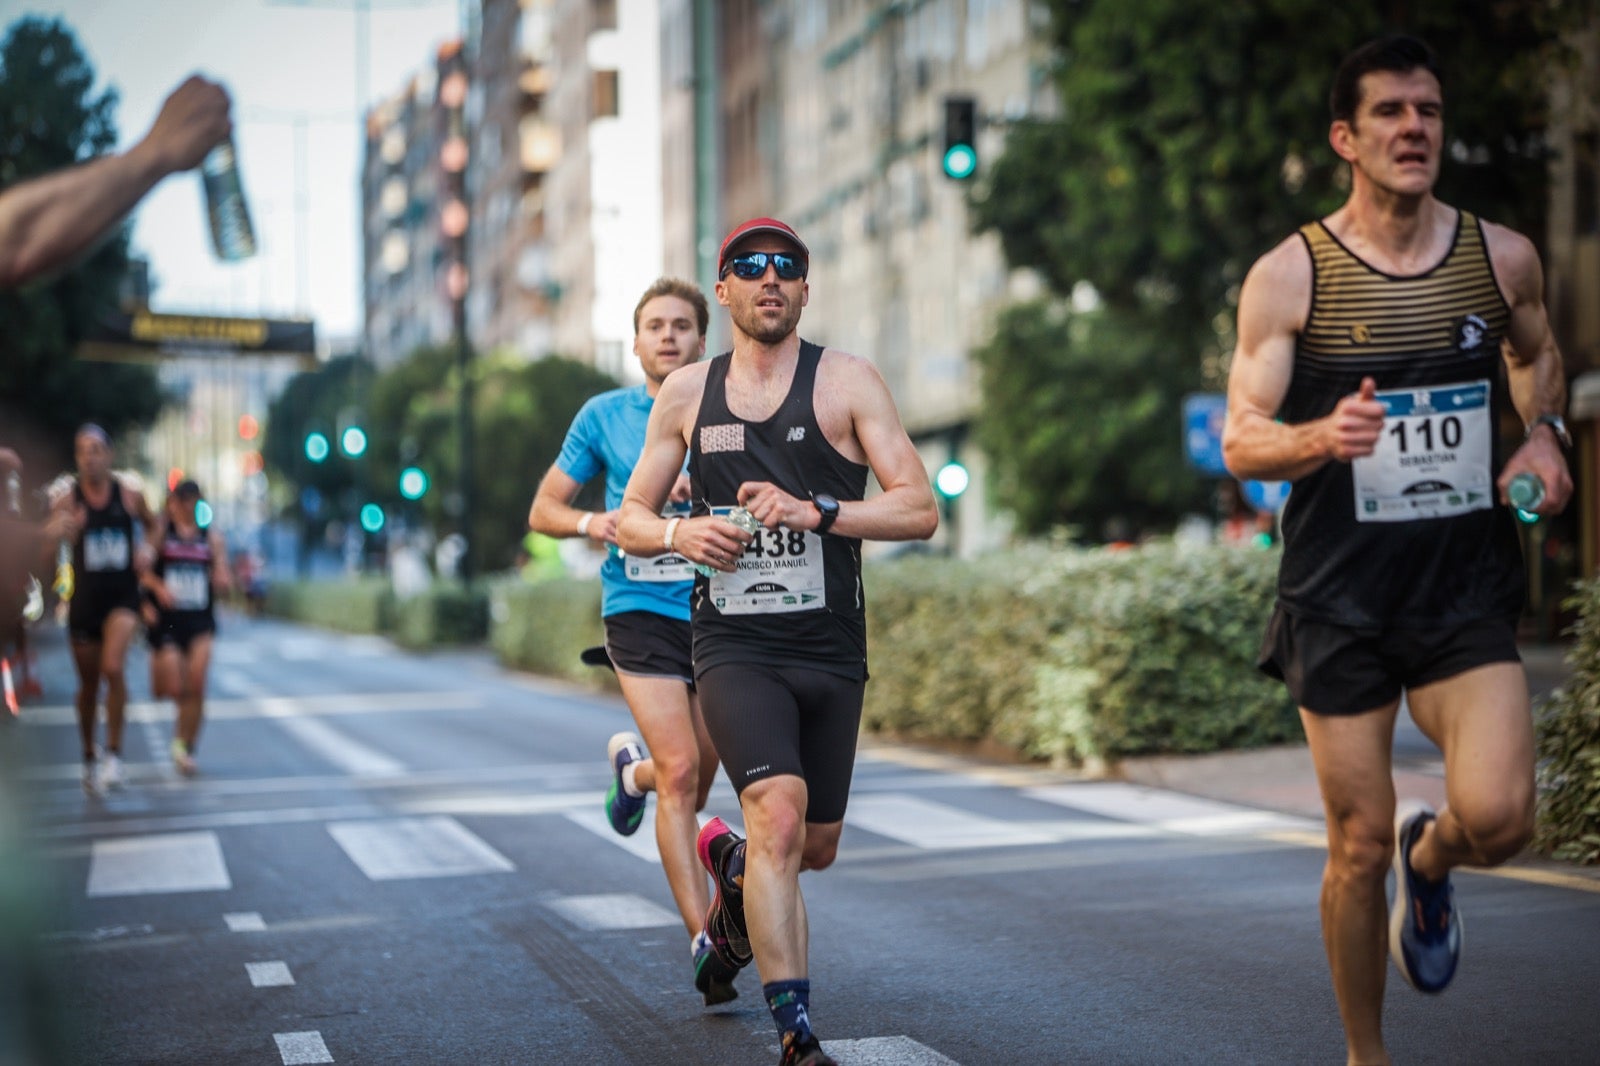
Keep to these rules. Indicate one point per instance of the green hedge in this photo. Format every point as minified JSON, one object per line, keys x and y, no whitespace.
{"x":447,"y":612}
{"x":1569,"y":744}
{"x":353,"y":605}
{"x":1079,"y":656}
{"x":543,"y":626}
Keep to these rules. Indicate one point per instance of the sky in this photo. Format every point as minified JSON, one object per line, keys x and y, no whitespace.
{"x":290,"y":66}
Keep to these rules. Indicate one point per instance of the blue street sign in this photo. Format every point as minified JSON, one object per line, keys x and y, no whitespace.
{"x":1203,"y":416}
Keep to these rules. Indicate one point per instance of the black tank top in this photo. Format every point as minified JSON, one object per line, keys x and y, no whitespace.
{"x":102,"y":554}
{"x":785,"y":605}
{"x":185,"y":563}
{"x":1413,"y":536}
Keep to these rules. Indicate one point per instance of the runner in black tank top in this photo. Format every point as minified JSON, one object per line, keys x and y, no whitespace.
{"x":787,"y":431}
{"x":1370,"y":351}
{"x":112,"y":529}
{"x":773,"y":610}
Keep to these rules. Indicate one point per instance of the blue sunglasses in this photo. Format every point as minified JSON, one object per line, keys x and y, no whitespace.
{"x":752,"y":265}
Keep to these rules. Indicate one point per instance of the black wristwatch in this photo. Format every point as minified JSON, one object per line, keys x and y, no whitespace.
{"x":828,"y":507}
{"x":1558,"y":426}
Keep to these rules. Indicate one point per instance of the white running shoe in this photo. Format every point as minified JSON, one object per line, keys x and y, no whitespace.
{"x":91,"y":777}
{"x":110,"y":771}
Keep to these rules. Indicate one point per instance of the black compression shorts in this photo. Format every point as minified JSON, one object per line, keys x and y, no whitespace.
{"x":646,"y":644}
{"x":86,"y":617}
{"x":179,"y":632}
{"x":1336,"y":670}
{"x":771,"y":720}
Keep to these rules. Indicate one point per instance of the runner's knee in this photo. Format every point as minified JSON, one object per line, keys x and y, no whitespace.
{"x":677,"y":778}
{"x":1497,"y":828}
{"x":821,"y":848}
{"x":1360,"y":849}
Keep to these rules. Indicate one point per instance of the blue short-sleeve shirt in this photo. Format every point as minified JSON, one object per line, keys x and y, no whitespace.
{"x":608,"y":435}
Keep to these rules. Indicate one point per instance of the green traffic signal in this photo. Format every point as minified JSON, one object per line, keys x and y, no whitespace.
{"x":371,"y":518}
{"x":317,"y":448}
{"x":960,"y":161}
{"x":413,"y":483}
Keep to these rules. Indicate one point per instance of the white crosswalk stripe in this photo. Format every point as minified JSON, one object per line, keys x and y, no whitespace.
{"x":167,"y":862}
{"x":615,"y":910}
{"x":401,"y":848}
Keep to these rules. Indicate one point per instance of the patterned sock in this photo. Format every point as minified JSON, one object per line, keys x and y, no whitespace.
{"x":790,"y":1004}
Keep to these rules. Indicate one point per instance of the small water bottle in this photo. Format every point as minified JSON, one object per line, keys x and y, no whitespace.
{"x":1525,"y":493}
{"x":745,"y":521}
{"x":232,"y":236}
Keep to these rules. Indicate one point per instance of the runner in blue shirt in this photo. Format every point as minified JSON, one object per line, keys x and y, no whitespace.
{"x":645,"y":605}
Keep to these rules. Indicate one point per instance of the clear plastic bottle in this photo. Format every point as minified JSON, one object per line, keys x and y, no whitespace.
{"x":232,"y":236}
{"x":1525,"y":493}
{"x":745,"y":521}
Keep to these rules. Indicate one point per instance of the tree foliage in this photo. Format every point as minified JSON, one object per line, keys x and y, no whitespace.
{"x":410,"y":411}
{"x":1191,"y":138}
{"x":50,"y":118}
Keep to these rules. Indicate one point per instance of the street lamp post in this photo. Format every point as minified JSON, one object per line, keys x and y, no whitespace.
{"x":455,"y":220}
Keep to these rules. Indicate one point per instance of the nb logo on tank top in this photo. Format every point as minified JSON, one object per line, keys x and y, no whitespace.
{"x":725,"y":438}
{"x":796,"y":433}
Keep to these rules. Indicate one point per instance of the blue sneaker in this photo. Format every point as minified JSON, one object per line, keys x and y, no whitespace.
{"x":1424,"y":926}
{"x":624,"y":811}
{"x":713,"y":976}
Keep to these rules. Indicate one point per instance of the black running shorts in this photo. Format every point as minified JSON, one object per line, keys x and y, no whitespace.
{"x":178,"y":632}
{"x":1335,"y":670}
{"x":770,"y":720}
{"x":87,"y":614}
{"x":646,"y":644}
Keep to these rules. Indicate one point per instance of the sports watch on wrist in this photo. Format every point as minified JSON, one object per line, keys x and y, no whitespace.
{"x":828,"y":507}
{"x":1558,"y":426}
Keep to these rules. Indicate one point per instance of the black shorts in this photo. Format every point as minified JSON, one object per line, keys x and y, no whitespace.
{"x":1336,"y":670}
{"x":86,"y":617}
{"x":646,"y":644}
{"x":178,"y":632}
{"x":770,"y":720}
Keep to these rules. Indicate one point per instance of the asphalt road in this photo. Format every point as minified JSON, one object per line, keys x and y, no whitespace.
{"x":399,"y":858}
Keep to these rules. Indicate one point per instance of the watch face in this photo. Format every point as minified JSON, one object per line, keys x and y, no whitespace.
{"x":826,"y":504}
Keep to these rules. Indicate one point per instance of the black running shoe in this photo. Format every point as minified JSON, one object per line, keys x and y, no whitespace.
{"x":807,"y":1052}
{"x":725,"y":920}
{"x":713,"y":976}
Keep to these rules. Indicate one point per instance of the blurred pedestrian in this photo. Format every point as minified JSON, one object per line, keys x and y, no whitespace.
{"x":25,"y":548}
{"x":1369,"y":343}
{"x":782,"y":432}
{"x":111,"y":529}
{"x":189,"y":571}
{"x":645,"y":608}
{"x":49,"y":221}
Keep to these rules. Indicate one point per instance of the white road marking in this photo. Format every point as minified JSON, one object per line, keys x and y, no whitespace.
{"x":247,"y":706}
{"x":926,"y":824}
{"x":347,"y":753}
{"x":269,"y":974}
{"x":403,"y":848}
{"x":1169,"y":811}
{"x":886,"y":1051}
{"x":619,"y":910}
{"x":172,"y":862}
{"x":302,"y":1049}
{"x":642,"y":843}
{"x":245,"y":922}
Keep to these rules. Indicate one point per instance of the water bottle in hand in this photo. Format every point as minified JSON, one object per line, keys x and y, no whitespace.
{"x":1525,"y":494}
{"x":745,"y":521}
{"x":232,"y":236}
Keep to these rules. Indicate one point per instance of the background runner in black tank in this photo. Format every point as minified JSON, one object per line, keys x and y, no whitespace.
{"x":113,"y":533}
{"x":788,"y":431}
{"x":823,"y":625}
{"x":1368,"y":347}
{"x":189,"y":570}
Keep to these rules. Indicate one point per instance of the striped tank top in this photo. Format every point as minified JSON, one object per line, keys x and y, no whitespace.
{"x":1412,"y":536}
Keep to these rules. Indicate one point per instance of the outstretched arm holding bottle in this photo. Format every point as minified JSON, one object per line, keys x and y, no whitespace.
{"x":48,"y":221}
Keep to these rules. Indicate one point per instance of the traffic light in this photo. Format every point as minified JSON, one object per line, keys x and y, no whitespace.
{"x":951,"y":480}
{"x":371,"y":518}
{"x":413,"y":483}
{"x":317,"y":447}
{"x":960,"y":137}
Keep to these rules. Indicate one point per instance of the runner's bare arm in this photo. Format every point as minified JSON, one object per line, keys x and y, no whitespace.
{"x":905,"y":509}
{"x":1272,"y":308}
{"x":221,"y":576}
{"x":640,"y":528}
{"x":553,"y":515}
{"x":1534,"y":368}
